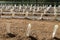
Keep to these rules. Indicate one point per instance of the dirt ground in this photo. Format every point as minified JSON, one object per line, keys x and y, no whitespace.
{"x":41,"y":29}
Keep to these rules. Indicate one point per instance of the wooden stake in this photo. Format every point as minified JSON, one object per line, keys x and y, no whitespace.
{"x":26,"y":15}
{"x":13,"y":14}
{"x":41,"y":16}
{"x":54,"y":31}
{"x":8,"y":27}
{"x":28,"y":30}
{"x":20,"y":7}
{"x":15,"y":5}
{"x":55,"y":12}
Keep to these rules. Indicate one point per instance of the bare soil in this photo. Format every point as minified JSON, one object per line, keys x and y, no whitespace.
{"x":41,"y":29}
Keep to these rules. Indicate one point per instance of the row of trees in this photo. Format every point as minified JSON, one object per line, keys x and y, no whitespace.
{"x":34,"y":0}
{"x":40,"y":2}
